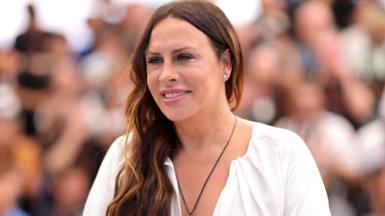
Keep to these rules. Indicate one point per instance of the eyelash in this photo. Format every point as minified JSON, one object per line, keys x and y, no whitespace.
{"x":184,"y":57}
{"x":154,"y":60}
{"x":180,"y":57}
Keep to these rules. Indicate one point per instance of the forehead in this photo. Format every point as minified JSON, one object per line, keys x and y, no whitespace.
{"x":172,"y":33}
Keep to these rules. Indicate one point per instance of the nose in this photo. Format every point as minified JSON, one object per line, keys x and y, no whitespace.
{"x":168,"y":73}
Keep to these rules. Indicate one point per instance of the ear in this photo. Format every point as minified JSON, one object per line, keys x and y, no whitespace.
{"x":226,"y":63}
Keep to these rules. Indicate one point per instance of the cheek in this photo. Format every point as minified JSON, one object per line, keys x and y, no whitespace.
{"x":151,"y":82}
{"x":153,"y":87}
{"x":199,"y":76}
{"x":208,"y":79}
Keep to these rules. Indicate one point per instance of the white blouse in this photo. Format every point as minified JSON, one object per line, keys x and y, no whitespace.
{"x":276,"y":176}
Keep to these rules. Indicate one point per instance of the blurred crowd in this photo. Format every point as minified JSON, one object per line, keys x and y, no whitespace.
{"x":316,"y":67}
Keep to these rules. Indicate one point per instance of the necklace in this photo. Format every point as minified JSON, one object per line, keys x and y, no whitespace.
{"x":190,"y":212}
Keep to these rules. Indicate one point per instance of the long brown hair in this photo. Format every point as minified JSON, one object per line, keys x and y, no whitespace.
{"x":142,"y":186}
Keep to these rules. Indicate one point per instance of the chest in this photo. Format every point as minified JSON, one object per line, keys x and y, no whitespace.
{"x":247,"y":190}
{"x":200,"y":185}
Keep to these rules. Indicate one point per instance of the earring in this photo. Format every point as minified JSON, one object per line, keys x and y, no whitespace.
{"x":225,"y":77}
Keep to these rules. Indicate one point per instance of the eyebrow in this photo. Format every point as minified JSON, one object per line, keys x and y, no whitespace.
{"x":174,"y":51}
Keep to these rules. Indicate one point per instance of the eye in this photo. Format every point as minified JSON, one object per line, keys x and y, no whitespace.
{"x":184,"y":57}
{"x":154,"y":60}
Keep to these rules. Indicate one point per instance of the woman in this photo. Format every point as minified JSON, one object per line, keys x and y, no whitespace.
{"x":186,"y":153}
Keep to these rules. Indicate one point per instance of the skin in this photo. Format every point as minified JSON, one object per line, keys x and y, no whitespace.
{"x":181,"y":59}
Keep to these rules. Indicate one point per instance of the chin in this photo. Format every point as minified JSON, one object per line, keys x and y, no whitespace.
{"x":177,"y":115}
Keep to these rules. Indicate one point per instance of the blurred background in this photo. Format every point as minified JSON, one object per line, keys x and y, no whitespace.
{"x":316,"y":67}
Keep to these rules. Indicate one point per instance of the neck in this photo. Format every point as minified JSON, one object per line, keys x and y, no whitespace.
{"x":209,"y":130}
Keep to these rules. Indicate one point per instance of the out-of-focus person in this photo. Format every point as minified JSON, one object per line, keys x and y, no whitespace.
{"x":330,"y":138}
{"x":262,"y":78}
{"x":371,"y":139}
{"x":61,"y":119}
{"x":70,"y":190}
{"x":321,"y":51}
{"x":364,"y":44}
{"x":327,"y":134}
{"x":20,"y":156}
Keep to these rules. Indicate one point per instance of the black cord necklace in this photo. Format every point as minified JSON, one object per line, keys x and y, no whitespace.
{"x":190,"y":212}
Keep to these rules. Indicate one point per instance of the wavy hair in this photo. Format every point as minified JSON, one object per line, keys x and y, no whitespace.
{"x":142,"y":185}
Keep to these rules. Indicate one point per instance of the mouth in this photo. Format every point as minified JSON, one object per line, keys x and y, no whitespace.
{"x":173,"y":95}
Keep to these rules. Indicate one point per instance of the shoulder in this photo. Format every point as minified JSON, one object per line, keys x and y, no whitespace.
{"x":273,"y":132}
{"x":272,"y":137}
{"x":275,"y":148}
{"x":285,"y":159}
{"x":278,"y":148}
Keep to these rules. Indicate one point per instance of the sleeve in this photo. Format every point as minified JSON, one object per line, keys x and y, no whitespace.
{"x":305,"y":192}
{"x":102,"y":190}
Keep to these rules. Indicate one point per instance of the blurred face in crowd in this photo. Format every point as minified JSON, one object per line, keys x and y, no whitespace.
{"x":65,"y":78}
{"x":312,"y":19}
{"x":184,"y":74}
{"x":264,"y":66}
{"x":71,"y":189}
{"x":308,"y":100}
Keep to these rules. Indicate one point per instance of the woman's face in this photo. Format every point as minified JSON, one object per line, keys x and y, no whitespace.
{"x":184,"y":74}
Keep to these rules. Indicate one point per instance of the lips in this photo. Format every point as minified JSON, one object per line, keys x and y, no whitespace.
{"x":171,"y":96}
